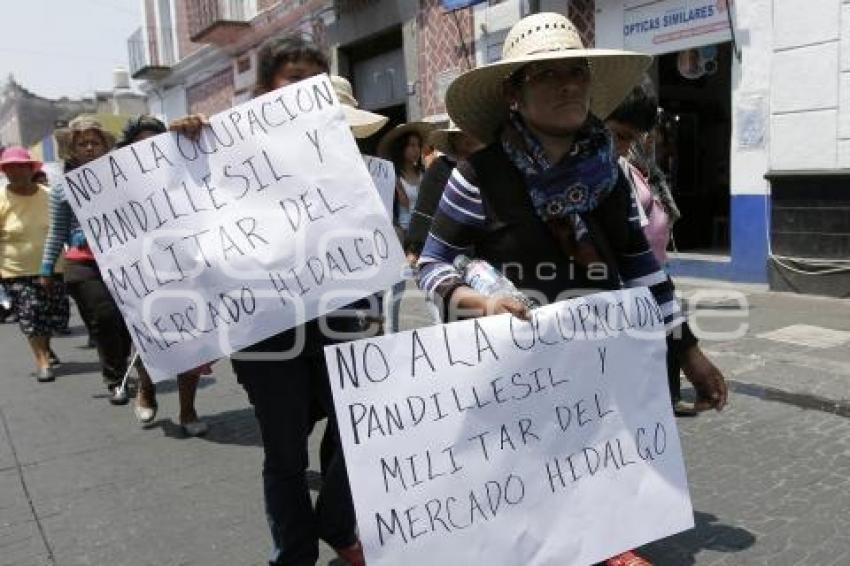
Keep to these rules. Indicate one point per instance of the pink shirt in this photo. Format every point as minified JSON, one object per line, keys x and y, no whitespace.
{"x":657,"y":224}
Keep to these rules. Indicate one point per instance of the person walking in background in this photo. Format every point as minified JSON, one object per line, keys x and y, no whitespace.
{"x":453,"y":146}
{"x":403,"y":146}
{"x":630,"y":124}
{"x":23,"y":227}
{"x":88,"y":141}
{"x":40,"y":177}
{"x":145,"y":408}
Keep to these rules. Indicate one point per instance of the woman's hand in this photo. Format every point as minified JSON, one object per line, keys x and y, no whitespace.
{"x":189,"y":126}
{"x":709,"y":383}
{"x":470,"y":303}
{"x":502,"y":305}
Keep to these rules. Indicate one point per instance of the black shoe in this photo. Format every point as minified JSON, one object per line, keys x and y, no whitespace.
{"x":90,"y":343}
{"x":55,"y":362}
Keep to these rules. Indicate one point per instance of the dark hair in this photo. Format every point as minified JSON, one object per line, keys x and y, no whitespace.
{"x":639,"y":109}
{"x":40,"y":174}
{"x":397,"y":151}
{"x":278,"y":51}
{"x":135,"y":126}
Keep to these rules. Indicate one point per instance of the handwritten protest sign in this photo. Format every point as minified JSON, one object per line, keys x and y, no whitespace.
{"x":383,"y":175}
{"x":268,"y":220}
{"x":502,"y":442}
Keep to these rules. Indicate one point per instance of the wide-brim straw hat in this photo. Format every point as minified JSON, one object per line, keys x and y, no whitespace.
{"x":362,"y":122}
{"x":82,"y":123}
{"x":385,"y":146}
{"x":441,"y":139}
{"x":475,"y":100}
{"x":16,"y":155}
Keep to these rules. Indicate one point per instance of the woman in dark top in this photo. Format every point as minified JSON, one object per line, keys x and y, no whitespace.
{"x":88,"y":140}
{"x":285,"y":378}
{"x":547,"y":190}
{"x":454,"y":145}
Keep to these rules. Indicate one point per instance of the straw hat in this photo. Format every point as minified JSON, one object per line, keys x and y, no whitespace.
{"x":363,"y":123}
{"x":15,"y":155}
{"x":385,"y":146}
{"x":475,"y":100}
{"x":441,"y":138}
{"x":82,"y":123}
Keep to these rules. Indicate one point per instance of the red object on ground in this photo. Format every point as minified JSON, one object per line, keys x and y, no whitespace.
{"x":630,"y":558}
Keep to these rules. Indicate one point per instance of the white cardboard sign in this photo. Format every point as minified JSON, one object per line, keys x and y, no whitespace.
{"x":502,"y":442}
{"x":269,"y":220}
{"x":383,"y":175}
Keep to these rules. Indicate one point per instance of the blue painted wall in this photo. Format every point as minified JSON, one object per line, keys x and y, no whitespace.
{"x":750,"y":228}
{"x":750,"y":217}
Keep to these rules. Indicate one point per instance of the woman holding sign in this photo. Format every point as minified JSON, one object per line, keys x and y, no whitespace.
{"x":88,"y":141}
{"x":286,"y":379}
{"x":546,"y":196}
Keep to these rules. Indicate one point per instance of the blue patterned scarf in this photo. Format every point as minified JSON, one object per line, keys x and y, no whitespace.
{"x":574,"y":185}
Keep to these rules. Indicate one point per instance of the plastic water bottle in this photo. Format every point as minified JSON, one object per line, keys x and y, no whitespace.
{"x":487,"y":280}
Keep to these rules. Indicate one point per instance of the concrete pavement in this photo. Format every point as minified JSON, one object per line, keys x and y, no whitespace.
{"x":82,"y":484}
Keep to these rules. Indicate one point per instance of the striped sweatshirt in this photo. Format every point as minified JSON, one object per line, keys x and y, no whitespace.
{"x":64,"y":229}
{"x":462,"y":220}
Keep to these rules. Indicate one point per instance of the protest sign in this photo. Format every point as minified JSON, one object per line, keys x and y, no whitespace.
{"x":268,"y":220}
{"x":500,"y":441}
{"x":383,"y":175}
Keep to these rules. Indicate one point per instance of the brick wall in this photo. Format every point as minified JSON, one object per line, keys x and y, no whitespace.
{"x":185,"y":46}
{"x":211,"y":95}
{"x":445,"y":50}
{"x":583,"y":14}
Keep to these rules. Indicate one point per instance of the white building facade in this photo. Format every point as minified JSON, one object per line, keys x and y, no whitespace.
{"x":788,"y":140}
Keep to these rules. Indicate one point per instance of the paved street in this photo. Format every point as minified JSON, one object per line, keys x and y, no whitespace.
{"x":82,"y":484}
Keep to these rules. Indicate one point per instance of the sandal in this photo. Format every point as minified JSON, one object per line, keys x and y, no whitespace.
{"x":145,"y":415}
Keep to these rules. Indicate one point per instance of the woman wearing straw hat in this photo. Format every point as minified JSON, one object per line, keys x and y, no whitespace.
{"x":547,"y":189}
{"x":403,"y":146}
{"x":23,"y":226}
{"x":87,"y":140}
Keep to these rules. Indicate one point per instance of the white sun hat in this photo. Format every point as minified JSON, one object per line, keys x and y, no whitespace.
{"x":475,"y":100}
{"x":363,"y":123}
{"x":440,"y":139}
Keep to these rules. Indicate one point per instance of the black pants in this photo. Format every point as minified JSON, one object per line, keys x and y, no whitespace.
{"x":674,"y":376}
{"x":285,"y":395}
{"x":103,"y":319}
